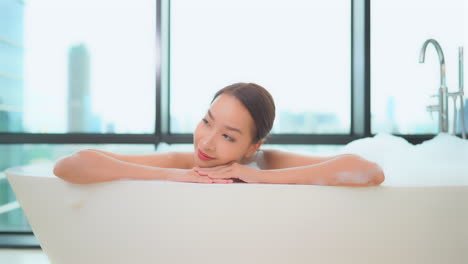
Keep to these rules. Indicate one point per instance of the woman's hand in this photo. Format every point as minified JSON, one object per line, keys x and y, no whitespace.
{"x":181,"y":175}
{"x":230,"y":171}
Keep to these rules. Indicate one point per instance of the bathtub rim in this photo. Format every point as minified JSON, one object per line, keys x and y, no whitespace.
{"x":25,"y":171}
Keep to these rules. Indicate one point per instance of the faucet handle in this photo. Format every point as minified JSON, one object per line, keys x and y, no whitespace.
{"x":431,"y":109}
{"x":455,"y":95}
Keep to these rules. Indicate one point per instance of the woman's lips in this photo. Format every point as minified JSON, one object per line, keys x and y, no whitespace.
{"x":203,"y":156}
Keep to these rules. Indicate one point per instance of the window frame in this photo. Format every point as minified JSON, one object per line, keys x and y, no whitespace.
{"x":360,"y":106}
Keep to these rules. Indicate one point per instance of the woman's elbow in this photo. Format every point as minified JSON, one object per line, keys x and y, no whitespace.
{"x":379,"y":176}
{"x":62,"y":168}
{"x":374,"y":174}
{"x":67,"y":168}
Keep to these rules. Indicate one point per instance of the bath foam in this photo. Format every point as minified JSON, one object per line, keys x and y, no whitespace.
{"x":439,"y":161}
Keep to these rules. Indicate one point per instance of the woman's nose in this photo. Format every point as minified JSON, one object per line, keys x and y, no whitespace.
{"x":208,"y":142}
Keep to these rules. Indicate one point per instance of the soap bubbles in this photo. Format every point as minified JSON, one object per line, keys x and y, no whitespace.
{"x":442,"y":160}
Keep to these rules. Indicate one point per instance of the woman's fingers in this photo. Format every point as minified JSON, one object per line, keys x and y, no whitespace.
{"x":216,"y":177}
{"x":195,"y":177}
{"x":204,"y":180}
{"x":200,"y":172}
{"x":219,"y":174}
{"x":222,"y":181}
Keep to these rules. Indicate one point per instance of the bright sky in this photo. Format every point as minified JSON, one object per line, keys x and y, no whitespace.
{"x":306,"y":73}
{"x":120,"y":37}
{"x":287,"y":48}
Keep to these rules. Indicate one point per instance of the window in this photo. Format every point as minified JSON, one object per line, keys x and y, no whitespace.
{"x":401,"y":86}
{"x":62,"y":74}
{"x":99,"y":76}
{"x":77,"y":66}
{"x":299,"y":50}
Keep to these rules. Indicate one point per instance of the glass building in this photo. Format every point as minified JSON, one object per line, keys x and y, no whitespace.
{"x":11,"y":105}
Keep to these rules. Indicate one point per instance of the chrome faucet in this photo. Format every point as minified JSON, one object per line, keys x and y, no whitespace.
{"x":459,"y":95}
{"x":443,"y":96}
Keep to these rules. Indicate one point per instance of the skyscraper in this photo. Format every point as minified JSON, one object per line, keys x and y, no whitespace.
{"x":11,"y":96}
{"x":11,"y":65}
{"x":79,"y":99}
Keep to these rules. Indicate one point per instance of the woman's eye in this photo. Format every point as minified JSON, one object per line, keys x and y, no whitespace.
{"x":228,"y":138}
{"x":205,"y":121}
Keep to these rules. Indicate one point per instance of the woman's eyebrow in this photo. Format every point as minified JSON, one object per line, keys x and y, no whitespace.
{"x":234,"y":129}
{"x":211,"y":115}
{"x":228,"y":127}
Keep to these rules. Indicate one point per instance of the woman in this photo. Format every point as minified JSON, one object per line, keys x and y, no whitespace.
{"x":226,"y":149}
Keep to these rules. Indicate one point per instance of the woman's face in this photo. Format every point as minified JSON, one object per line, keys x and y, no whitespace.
{"x":224,"y":134}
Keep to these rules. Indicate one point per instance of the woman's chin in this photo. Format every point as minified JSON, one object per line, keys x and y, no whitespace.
{"x":209,"y":163}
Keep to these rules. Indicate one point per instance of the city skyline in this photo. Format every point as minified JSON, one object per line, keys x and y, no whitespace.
{"x":123,"y":88}
{"x":11,"y":101}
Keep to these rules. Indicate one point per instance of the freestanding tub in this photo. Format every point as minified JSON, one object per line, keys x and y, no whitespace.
{"x":136,"y":221}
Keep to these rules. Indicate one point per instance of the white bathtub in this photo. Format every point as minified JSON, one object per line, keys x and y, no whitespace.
{"x":168,"y":222}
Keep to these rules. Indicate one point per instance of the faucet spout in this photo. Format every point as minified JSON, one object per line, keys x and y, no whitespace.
{"x":440,"y":53}
{"x":443,"y":93}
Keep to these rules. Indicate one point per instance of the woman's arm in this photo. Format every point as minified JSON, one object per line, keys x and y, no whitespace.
{"x":288,"y":168}
{"x":277,"y":159}
{"x":342,"y":170}
{"x":178,"y":160}
{"x":90,"y":166}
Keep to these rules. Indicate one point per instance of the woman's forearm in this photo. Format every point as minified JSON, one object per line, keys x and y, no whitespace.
{"x":349,"y":170}
{"x":91,"y":167}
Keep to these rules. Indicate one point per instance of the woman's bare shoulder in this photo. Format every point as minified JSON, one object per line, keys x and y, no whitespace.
{"x":279,"y":159}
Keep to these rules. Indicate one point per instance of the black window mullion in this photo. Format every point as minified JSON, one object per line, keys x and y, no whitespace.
{"x":163,"y":75}
{"x":18,"y":240}
{"x":158,"y":60}
{"x":360,"y":68}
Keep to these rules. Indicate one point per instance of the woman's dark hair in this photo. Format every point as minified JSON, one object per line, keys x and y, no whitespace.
{"x":258,"y":102}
